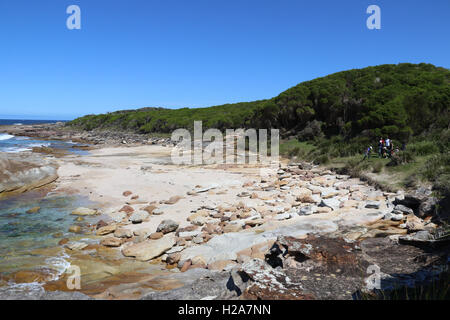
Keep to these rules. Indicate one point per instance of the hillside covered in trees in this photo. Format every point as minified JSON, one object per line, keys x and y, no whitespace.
{"x":396,"y":100}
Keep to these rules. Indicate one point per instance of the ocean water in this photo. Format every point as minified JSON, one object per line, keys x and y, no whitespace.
{"x":30,"y":241}
{"x":13,"y":144}
{"x":26,"y":122}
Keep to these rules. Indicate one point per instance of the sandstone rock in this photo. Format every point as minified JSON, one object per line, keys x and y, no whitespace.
{"x":111,"y":242}
{"x":403,"y":209}
{"x":76,"y":246}
{"x":221,"y":265}
{"x":34,"y":210}
{"x":232,"y":227}
{"x":160,"y":210}
{"x":106,"y":230}
{"x":332,"y":203}
{"x":186,"y":234}
{"x":149,"y":249}
{"x":156,"y":235}
{"x":138,"y":217}
{"x":393,"y":216}
{"x":414,"y":223}
{"x":167,"y":226}
{"x":123,"y":233}
{"x":197,"y":239}
{"x":127,"y":193}
{"x":173,"y":258}
{"x":373,"y":205}
{"x":127,"y":209}
{"x":75,"y":229}
{"x":199,"y":213}
{"x":98,"y":225}
{"x":84,"y":212}
{"x":173,"y":200}
{"x":149,"y":209}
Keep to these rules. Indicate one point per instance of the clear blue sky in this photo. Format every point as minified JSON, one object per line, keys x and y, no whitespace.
{"x":197,"y":53}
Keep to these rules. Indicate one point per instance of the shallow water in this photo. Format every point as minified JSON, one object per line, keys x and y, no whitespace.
{"x":30,"y":241}
{"x":13,"y":144}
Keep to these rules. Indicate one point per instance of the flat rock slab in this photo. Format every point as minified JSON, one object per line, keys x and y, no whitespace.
{"x":149,"y":249}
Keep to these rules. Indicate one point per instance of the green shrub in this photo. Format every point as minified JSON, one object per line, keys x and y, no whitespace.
{"x":423,"y":148}
{"x":402,"y":157}
{"x":377,"y":167}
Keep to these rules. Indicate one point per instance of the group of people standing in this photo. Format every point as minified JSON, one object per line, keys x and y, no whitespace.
{"x":385,"y":149}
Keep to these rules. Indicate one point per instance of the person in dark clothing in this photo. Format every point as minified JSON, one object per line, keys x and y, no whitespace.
{"x":367,"y":153}
{"x":380,"y":147}
{"x":403,"y":146}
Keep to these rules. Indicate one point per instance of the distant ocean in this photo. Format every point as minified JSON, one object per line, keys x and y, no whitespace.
{"x":13,"y":144}
{"x":4,"y":122}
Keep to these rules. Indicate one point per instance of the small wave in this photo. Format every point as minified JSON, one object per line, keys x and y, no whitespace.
{"x":14,"y":149}
{"x":59,"y":264}
{"x":18,"y":124}
{"x":39,"y":144}
{"x":30,"y":289}
{"x":5,"y":137}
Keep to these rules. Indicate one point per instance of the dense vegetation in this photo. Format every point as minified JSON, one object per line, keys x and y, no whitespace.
{"x":397,"y":100}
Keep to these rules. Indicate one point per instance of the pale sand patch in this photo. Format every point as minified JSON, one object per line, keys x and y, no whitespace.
{"x":147,"y":171}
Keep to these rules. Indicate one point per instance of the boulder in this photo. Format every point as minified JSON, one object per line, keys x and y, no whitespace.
{"x":149,"y":249}
{"x":373,"y":205}
{"x":332,"y":203}
{"x":167,"y":226}
{"x":123,"y":233}
{"x":84,"y":212}
{"x":403,"y":209}
{"x":106,"y":230}
{"x":138,"y":217}
{"x":111,"y":242}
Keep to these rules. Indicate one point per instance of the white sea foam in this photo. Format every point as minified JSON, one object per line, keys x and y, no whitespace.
{"x":59,"y":264}
{"x":5,"y":136}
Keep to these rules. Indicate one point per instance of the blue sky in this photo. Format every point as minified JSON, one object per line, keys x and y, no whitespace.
{"x":197,"y":53}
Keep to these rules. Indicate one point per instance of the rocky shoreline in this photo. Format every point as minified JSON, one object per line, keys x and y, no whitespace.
{"x":301,"y":233}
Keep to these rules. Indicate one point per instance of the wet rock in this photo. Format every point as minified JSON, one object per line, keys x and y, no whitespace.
{"x":84,"y":212}
{"x":98,"y":225}
{"x":34,"y":210}
{"x":76,"y":246}
{"x":75,"y":229}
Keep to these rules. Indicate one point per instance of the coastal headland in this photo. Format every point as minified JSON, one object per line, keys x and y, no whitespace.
{"x":155,"y":230}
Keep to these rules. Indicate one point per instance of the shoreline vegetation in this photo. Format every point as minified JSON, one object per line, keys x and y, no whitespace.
{"x":161,"y":231}
{"x":332,"y":120}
